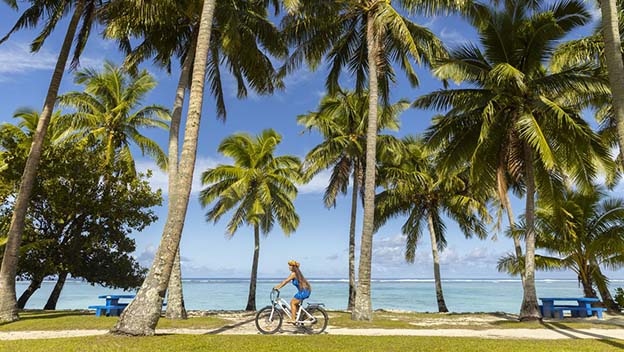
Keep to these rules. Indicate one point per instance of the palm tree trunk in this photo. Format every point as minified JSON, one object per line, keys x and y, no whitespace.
{"x":142,"y":314}
{"x":503,"y":194}
{"x":363,"y":308}
{"x":251,"y":299}
{"x":603,"y":287}
{"x":436,"y":266}
{"x":8,"y":302}
{"x":175,"y":295}
{"x":354,"y":204}
{"x":56,"y":291}
{"x":34,"y":285}
{"x":613,"y":58}
{"x":530,"y":308}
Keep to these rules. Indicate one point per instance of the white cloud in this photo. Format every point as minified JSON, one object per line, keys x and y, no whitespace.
{"x":159,"y":179}
{"x":16,"y":58}
{"x":451,"y":36}
{"x":146,"y":257}
{"x":317,"y":184}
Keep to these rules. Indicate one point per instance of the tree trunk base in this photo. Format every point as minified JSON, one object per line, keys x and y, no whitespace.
{"x":530,"y":318}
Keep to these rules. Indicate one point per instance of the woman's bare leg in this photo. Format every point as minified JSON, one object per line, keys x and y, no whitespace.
{"x":294,"y":304}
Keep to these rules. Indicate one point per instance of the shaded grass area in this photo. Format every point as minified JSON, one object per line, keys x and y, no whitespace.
{"x":324,"y":343}
{"x":476,"y":321}
{"x":79,"y":320}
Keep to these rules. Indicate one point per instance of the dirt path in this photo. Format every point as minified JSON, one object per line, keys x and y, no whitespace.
{"x":244,"y":329}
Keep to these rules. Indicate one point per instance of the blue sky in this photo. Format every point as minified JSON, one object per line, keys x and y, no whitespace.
{"x":320,"y":243}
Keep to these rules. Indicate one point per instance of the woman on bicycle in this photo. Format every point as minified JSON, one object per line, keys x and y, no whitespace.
{"x":303,"y":288}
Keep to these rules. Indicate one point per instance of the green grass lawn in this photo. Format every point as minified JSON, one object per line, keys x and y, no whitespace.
{"x":75,"y":320}
{"x":323,"y":343}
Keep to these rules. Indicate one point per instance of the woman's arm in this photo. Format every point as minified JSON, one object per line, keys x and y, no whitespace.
{"x":283,"y":283}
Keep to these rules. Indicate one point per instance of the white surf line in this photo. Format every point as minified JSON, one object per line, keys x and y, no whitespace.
{"x":532,"y":334}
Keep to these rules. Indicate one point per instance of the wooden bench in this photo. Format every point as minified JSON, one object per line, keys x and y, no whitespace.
{"x":578,"y":311}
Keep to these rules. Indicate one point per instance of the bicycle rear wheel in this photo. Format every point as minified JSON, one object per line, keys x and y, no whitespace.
{"x":268,"y":320}
{"x":318,"y":323}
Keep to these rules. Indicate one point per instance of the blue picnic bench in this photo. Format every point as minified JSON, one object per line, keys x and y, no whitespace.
{"x":582,"y":309}
{"x":112,"y":308}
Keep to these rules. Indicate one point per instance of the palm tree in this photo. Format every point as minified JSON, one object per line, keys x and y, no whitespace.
{"x":259,"y":188}
{"x":613,"y":59}
{"x":341,"y":120}
{"x":415,"y":187}
{"x":50,"y":12}
{"x":109,"y":110}
{"x":142,"y":314}
{"x":582,"y":233}
{"x":365,"y":37}
{"x":175,"y":34}
{"x":520,"y":117}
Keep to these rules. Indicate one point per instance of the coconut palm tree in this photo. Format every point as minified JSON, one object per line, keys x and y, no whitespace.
{"x":109,"y":110}
{"x":51,"y":13}
{"x":364,"y":37}
{"x":590,"y":50}
{"x":142,"y":314}
{"x":259,"y":189}
{"x":237,"y":24}
{"x":519,"y":115}
{"x":416,"y":188}
{"x":341,"y":120}
{"x":613,"y":59}
{"x":582,"y":233}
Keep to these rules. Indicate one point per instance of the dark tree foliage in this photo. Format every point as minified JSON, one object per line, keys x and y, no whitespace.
{"x":79,"y":220}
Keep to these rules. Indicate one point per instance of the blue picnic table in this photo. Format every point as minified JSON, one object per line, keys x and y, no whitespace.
{"x":582,"y":307}
{"x":112,"y":307}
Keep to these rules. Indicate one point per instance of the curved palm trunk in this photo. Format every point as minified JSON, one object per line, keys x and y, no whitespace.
{"x":436,"y":266}
{"x":34,"y":285}
{"x":175,"y":295}
{"x":503,"y":194}
{"x":8,"y":302}
{"x":142,"y":314}
{"x":363,"y":308}
{"x":56,"y":292}
{"x":354,"y":204}
{"x":530,"y":308}
{"x":613,"y":58}
{"x":603,"y":287}
{"x":251,"y":299}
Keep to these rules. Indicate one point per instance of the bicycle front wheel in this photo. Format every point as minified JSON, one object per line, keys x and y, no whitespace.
{"x":268,"y":320}
{"x":318,"y":322}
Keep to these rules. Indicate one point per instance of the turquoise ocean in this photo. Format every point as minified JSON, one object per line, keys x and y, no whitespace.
{"x":462,"y":295}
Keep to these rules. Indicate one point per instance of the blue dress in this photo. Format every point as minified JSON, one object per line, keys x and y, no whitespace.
{"x":301,"y":294}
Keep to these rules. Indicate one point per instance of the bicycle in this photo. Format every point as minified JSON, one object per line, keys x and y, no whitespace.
{"x":313,"y":319}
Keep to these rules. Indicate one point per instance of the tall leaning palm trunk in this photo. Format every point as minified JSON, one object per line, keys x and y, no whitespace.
{"x":363,"y":307}
{"x":354,"y":205}
{"x":8,"y":301}
{"x":175,"y":296}
{"x":530,"y":308}
{"x":142,"y":314}
{"x":613,"y":58}
{"x":251,"y":299}
{"x":503,"y":195}
{"x":436,"y":266}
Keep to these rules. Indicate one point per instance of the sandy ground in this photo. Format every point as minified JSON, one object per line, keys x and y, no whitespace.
{"x":242,"y":323}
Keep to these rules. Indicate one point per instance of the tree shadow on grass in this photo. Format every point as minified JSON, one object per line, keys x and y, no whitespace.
{"x":566,"y":331}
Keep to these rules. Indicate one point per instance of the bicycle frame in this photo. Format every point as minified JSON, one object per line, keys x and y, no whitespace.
{"x":284,"y":306}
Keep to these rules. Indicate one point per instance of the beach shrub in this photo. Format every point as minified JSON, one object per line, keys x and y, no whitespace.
{"x":619,"y":296}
